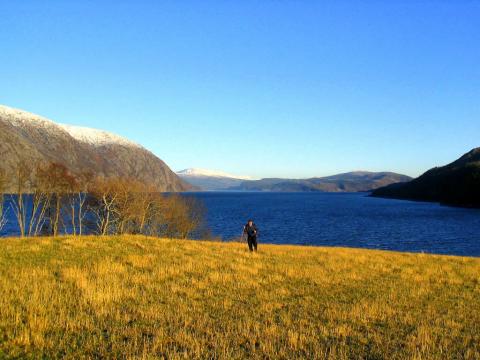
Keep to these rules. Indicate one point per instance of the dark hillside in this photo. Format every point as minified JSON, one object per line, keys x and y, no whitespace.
{"x":455,"y":184}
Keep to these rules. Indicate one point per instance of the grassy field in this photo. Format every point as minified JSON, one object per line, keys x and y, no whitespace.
{"x":136,"y":297}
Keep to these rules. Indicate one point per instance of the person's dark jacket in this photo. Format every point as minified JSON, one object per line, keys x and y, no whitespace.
{"x":251,"y":231}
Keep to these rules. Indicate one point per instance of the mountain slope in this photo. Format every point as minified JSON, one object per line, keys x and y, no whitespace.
{"x":347,"y":182}
{"x":455,"y":184}
{"x":32,"y":139}
{"x":209,"y":180}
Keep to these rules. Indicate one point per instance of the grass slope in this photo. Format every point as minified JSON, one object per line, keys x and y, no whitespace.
{"x":133,"y":297}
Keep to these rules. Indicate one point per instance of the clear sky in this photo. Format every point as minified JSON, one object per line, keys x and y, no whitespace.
{"x":261,"y":88}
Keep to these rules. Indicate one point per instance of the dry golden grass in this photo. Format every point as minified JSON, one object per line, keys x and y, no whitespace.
{"x":142,"y":298}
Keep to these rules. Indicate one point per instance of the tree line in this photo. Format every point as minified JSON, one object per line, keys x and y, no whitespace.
{"x":51,"y":200}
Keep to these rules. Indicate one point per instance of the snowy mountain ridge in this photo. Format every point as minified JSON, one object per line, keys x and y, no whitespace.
{"x":197,"y":172}
{"x":23,"y":119}
{"x":30,"y":140}
{"x":96,"y":137}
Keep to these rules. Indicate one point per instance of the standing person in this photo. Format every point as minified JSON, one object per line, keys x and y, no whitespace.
{"x":251,"y":231}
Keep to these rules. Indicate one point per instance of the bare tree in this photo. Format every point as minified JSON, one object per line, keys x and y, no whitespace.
{"x":183,"y":216}
{"x":125,"y":206}
{"x":134,"y":206}
{"x":40,"y":200}
{"x":156,"y":223}
{"x":105,"y":195}
{"x":74,"y":202}
{"x":144,"y":206}
{"x":127,"y":192}
{"x":196,"y":214}
{"x":3,"y":189}
{"x":19,"y":201}
{"x":59,"y":183}
{"x":119,"y":206}
{"x":78,"y":204}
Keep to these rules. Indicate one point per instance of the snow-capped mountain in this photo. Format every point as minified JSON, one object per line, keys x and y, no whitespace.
{"x":211,"y":180}
{"x":211,"y":173}
{"x":96,"y":137}
{"x":348,"y":182}
{"x":31,"y":139}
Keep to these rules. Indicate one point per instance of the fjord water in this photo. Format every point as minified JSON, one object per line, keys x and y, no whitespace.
{"x":337,"y":219}
{"x":347,"y":220}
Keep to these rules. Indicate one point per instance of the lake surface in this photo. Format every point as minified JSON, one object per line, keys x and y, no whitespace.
{"x":333,"y":219}
{"x":350,"y":220}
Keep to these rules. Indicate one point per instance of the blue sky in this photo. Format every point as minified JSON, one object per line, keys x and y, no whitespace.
{"x":262,"y":88}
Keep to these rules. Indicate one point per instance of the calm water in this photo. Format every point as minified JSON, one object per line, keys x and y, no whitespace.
{"x":351,"y":220}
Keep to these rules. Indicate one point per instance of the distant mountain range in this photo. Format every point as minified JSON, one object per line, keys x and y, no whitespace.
{"x":210,"y":180}
{"x":348,"y":182}
{"x":455,"y":184}
{"x":32,"y":139}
